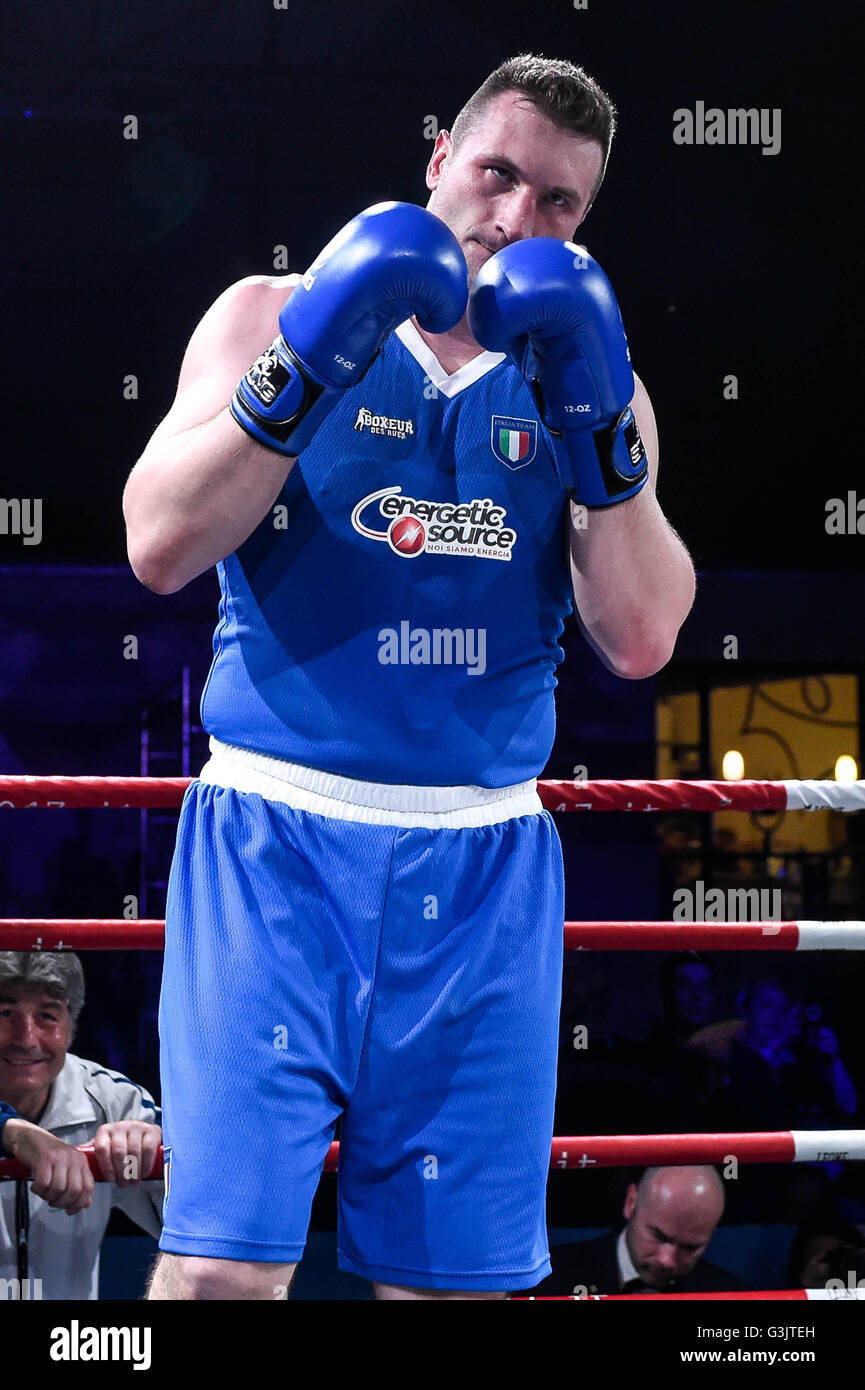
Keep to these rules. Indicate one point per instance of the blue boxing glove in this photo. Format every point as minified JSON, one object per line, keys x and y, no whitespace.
{"x":390,"y":262}
{"x":548,"y":304}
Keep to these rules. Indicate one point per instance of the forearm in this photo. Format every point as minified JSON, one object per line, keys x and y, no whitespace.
{"x":634,"y":584}
{"x":19,"y":1136}
{"x":194,"y":497}
{"x":843,"y":1090}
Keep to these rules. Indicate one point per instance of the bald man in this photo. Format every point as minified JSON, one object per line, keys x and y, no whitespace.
{"x":670,"y":1217}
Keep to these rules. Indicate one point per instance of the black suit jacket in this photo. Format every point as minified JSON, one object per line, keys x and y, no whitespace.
{"x":593,"y":1264}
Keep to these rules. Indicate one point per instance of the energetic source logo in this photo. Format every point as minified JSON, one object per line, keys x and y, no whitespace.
{"x":411,"y":525}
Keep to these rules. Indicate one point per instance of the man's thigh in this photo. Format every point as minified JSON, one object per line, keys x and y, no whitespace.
{"x":262,"y":1016}
{"x":446,"y":1139}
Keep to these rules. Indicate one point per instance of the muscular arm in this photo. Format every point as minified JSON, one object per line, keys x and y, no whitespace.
{"x":202,"y":484}
{"x":633,"y":579}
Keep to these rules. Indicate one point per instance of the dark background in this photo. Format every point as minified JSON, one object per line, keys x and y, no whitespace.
{"x":260,"y":127}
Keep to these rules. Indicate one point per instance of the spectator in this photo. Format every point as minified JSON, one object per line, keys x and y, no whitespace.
{"x":688,"y":993}
{"x":677,"y":1082}
{"x":598,"y":1088}
{"x":785,"y":1069}
{"x":670,"y":1217}
{"x":598,"y":1070}
{"x":59,"y":1100}
{"x":826,"y":1247}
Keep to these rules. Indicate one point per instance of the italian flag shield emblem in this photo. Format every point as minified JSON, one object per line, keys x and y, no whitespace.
{"x":514,"y":444}
{"x":514,"y":441}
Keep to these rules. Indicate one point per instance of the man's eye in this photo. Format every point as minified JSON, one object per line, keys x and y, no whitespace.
{"x":497,"y":169}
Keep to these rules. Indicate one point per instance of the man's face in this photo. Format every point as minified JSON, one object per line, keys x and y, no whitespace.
{"x":665,"y":1239}
{"x":815,"y":1264}
{"x":515,"y":175}
{"x":693,"y":994}
{"x":768,"y":1015}
{"x":34,"y":1037}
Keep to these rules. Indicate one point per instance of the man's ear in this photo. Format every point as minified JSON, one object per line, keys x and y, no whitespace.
{"x":441,"y":149}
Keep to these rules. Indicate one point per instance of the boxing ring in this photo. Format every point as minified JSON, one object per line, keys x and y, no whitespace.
{"x":573,"y":1151}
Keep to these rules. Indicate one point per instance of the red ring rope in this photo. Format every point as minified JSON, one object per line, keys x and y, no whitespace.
{"x":599,"y":795}
{"x":738,"y":1296}
{"x":148,"y":934}
{"x":625,"y":1150}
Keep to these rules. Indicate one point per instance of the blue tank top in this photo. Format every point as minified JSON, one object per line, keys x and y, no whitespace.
{"x":395,"y":617}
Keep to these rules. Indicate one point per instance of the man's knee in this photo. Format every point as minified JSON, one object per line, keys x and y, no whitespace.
{"x":392,"y":1291}
{"x":199,"y":1277}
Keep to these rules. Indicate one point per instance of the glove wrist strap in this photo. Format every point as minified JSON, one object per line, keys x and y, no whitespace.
{"x":602,"y":467}
{"x":278,"y":402}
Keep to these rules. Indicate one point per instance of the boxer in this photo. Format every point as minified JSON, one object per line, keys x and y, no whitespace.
{"x":433,"y":435}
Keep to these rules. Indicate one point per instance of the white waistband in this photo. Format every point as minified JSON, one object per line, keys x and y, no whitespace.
{"x":375,"y":803}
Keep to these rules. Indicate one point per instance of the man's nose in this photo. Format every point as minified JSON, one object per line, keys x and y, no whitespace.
{"x":24,"y":1030}
{"x":516,"y":214}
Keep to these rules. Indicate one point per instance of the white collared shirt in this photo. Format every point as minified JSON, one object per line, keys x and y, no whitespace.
{"x":64,"y":1250}
{"x":627,"y":1270}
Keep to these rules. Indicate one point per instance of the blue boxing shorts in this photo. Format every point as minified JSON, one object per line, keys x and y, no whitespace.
{"x":390,"y":954}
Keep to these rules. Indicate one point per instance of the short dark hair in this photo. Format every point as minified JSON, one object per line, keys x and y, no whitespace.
{"x":561,"y":91}
{"x":753,"y":987}
{"x":671,"y":965}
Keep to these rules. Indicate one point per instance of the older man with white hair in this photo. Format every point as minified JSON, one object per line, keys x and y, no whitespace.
{"x":51,"y":1228}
